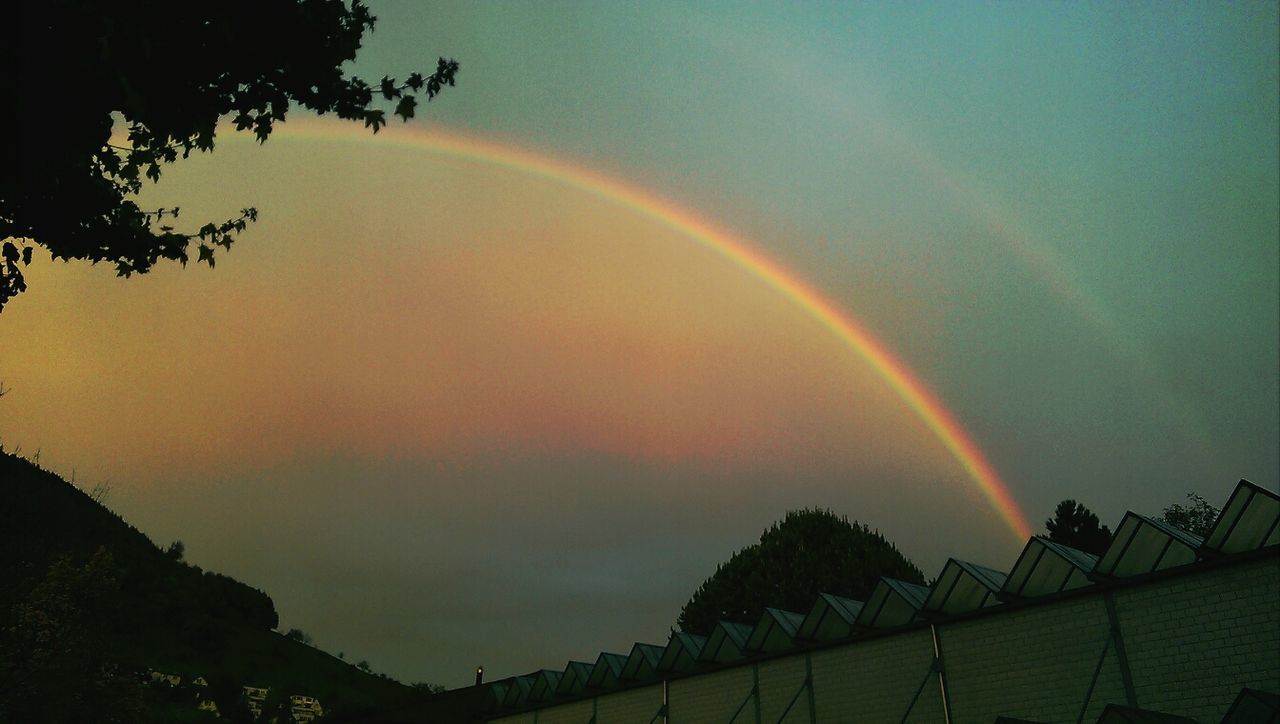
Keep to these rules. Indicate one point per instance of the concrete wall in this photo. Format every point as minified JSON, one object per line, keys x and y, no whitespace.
{"x":1191,"y":641}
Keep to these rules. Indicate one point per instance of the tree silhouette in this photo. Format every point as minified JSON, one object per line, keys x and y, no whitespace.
{"x":1196,"y":517}
{"x":163,"y":75}
{"x":54,"y":658}
{"x":1074,"y":525}
{"x":300,"y":636}
{"x":807,"y":553}
{"x":176,"y":550}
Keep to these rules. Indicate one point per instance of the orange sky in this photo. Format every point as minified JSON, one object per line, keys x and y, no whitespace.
{"x":393,"y":303}
{"x":417,"y":385}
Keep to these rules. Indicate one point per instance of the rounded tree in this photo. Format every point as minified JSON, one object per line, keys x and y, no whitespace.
{"x":1076,"y":526}
{"x":808,"y":552}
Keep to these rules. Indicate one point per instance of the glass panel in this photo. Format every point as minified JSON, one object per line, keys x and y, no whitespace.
{"x":873,"y":607}
{"x":1144,"y":550}
{"x":1258,"y":518}
{"x":1119,"y":545}
{"x":895,"y":613}
{"x":1031,"y":555}
{"x":1177,"y":555}
{"x":1228,"y":517}
{"x":1151,"y":549}
{"x":968,"y":595}
{"x":1047,"y":576}
{"x":833,"y":627}
{"x":777,"y":640}
{"x":943,"y":588}
{"x":1078,"y":579}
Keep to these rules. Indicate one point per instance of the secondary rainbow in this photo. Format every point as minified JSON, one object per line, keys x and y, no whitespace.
{"x":927,"y":407}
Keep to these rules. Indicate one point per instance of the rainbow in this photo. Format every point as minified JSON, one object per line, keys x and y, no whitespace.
{"x":926,"y":406}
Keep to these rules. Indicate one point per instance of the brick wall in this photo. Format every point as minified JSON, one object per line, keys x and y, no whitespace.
{"x":712,"y":697}
{"x":780,"y":679}
{"x":634,"y":706}
{"x":1194,"y":641}
{"x":517,"y":719}
{"x":876,"y":680}
{"x":578,"y":712}
{"x":1034,"y":664}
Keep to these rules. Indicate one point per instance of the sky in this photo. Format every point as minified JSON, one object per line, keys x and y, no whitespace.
{"x":502,"y":385}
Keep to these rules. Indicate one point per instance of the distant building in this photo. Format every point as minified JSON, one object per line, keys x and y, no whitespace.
{"x":255,"y":697}
{"x":208,"y":705}
{"x":305,"y":708}
{"x":1163,"y":627}
{"x":158,"y":677}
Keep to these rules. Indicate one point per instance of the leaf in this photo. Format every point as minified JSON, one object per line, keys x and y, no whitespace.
{"x":206,"y":255}
{"x":405,"y":107}
{"x":389,"y":89}
{"x":262,"y":128}
{"x":26,"y":256}
{"x":375,"y":119}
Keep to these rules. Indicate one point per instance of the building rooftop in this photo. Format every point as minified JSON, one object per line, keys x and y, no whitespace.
{"x":1045,"y":569}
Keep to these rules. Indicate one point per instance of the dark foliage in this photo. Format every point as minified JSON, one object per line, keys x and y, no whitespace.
{"x":1074,"y":525}
{"x":1198,"y":516}
{"x":165,"y":73}
{"x":42,"y":519}
{"x":807,"y":553}
{"x":126,"y":606}
{"x":176,"y":550}
{"x":226,"y":692}
{"x":54,"y":665}
{"x":297,"y":634}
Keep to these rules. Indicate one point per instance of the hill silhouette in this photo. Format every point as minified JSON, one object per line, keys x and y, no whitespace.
{"x":87,"y":602}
